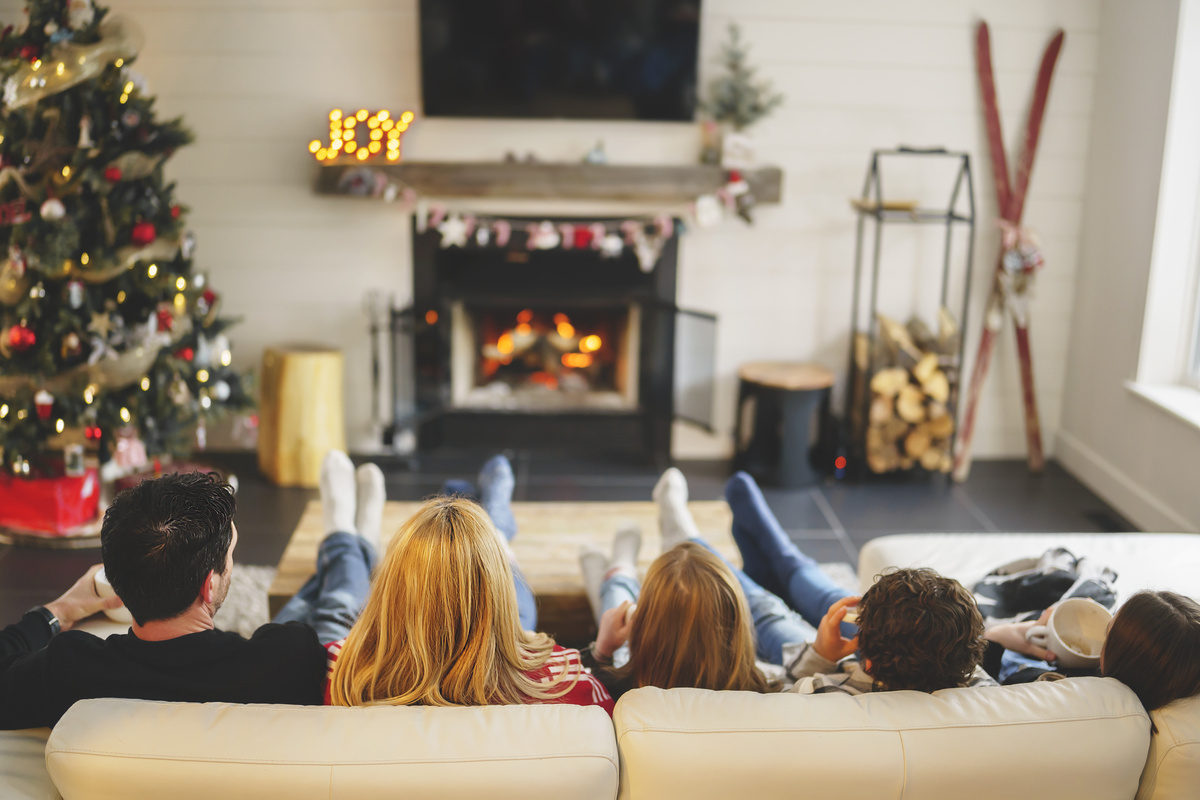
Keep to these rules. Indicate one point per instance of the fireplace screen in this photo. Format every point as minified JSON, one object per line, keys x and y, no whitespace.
{"x":552,"y":358}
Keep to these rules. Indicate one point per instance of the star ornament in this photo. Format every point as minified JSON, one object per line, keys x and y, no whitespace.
{"x":453,"y":231}
{"x":101,"y":325}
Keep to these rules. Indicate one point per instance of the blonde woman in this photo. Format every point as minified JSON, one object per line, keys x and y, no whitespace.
{"x":441,"y":627}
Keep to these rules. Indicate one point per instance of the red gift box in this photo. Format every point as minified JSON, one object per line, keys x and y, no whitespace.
{"x":49,"y":505}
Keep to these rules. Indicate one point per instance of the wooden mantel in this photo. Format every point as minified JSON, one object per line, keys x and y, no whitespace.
{"x":663,"y":184}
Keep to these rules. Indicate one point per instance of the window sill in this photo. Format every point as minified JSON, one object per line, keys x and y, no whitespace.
{"x":1181,"y":402}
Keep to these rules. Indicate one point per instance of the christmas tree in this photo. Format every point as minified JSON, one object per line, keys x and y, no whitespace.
{"x":108,"y":337}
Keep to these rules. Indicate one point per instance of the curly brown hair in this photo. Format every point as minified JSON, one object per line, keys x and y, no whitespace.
{"x":920,"y":631}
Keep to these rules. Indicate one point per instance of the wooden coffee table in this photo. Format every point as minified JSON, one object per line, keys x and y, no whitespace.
{"x":547,"y":548}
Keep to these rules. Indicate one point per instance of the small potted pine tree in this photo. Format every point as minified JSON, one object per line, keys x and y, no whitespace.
{"x":736,"y":100}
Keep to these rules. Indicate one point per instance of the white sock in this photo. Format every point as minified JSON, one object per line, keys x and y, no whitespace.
{"x":372,"y":494}
{"x":674,"y":520}
{"x":626,"y":546}
{"x":594,"y":564}
{"x":338,"y":493}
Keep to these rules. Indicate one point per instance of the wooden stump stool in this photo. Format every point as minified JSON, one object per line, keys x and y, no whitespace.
{"x":776,"y":401}
{"x":301,"y":416}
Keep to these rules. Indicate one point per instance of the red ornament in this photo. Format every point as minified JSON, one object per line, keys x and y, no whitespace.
{"x":112,"y":174}
{"x":92,"y":432}
{"x":583,"y":238}
{"x":44,"y":402}
{"x":209,"y":297}
{"x":28,"y":52}
{"x":176,"y":211}
{"x":166,"y":320}
{"x":185,"y":353}
{"x":143,"y":233}
{"x":21,"y":338}
{"x":734,"y":175}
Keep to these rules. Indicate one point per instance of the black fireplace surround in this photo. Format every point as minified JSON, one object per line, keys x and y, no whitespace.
{"x":446,"y":279}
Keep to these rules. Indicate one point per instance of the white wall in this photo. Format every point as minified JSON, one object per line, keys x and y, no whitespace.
{"x":1142,"y":459}
{"x":255,"y":79}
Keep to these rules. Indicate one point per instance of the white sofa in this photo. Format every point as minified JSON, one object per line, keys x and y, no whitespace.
{"x":1080,"y":738}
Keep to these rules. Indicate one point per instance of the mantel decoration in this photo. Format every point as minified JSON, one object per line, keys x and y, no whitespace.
{"x":736,"y":100}
{"x":112,"y":348}
{"x":369,"y":137}
{"x":362,"y":135}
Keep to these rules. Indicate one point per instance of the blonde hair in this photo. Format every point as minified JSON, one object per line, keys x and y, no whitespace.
{"x":692,"y":627}
{"x":440,"y":626}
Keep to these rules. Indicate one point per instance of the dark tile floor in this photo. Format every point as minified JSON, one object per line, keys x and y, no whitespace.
{"x":830,"y":521}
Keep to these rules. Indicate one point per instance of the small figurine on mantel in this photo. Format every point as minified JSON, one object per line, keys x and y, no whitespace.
{"x":736,"y":100}
{"x":596,"y":155}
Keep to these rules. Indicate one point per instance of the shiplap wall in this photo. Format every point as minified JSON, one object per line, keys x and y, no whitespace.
{"x":255,"y":79}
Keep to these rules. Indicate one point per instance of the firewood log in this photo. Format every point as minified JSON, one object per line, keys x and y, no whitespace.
{"x":894,"y":429}
{"x":918,"y":440}
{"x":931,"y":459}
{"x":947,"y":332}
{"x":942,"y":427}
{"x":925,"y":368}
{"x":910,"y":404}
{"x":937,"y":386}
{"x":885,"y":459}
{"x":888,"y":382}
{"x":881,"y":411}
{"x":896,"y":337}
{"x":922,"y":337}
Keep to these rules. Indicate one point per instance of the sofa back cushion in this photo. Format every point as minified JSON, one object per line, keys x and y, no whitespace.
{"x":130,"y":749}
{"x":23,"y":766}
{"x":1173,"y":765}
{"x":1075,"y":738}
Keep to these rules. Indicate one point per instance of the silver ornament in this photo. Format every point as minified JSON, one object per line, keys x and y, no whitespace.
{"x":53,"y":210}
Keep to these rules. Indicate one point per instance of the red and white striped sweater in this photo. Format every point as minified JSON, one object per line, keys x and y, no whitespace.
{"x":587,"y":691}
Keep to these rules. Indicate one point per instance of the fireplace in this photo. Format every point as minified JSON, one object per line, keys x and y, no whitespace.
{"x":560,"y":349}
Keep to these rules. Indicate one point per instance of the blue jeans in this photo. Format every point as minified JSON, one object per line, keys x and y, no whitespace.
{"x":616,"y":589}
{"x":526,"y":604}
{"x":774,"y":623}
{"x":331,"y":600}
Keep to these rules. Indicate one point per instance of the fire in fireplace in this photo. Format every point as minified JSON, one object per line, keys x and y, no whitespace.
{"x":550,"y":359}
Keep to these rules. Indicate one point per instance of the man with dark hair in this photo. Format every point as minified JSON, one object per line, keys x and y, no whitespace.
{"x":167,"y":546}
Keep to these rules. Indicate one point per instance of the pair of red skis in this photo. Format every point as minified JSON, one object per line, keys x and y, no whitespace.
{"x":1015,"y":263}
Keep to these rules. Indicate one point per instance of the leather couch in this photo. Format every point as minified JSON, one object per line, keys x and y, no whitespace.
{"x":1077,"y":738}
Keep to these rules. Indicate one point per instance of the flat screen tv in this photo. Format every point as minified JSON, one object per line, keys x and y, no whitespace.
{"x":574,"y":59}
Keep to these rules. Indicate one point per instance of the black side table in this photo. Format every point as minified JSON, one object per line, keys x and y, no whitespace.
{"x":776,"y":404}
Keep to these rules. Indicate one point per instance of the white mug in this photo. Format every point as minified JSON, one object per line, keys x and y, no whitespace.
{"x":1075,"y":632}
{"x":104,"y":589}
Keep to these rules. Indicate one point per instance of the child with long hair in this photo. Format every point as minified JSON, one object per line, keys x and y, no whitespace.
{"x":692,"y":627}
{"x":1153,"y":647}
{"x":442,"y":624}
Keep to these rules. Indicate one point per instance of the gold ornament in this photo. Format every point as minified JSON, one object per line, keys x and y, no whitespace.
{"x":13,"y":286}
{"x":135,"y":165}
{"x":68,"y":65}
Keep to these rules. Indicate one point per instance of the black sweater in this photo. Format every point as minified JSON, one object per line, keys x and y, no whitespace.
{"x":41,"y":677}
